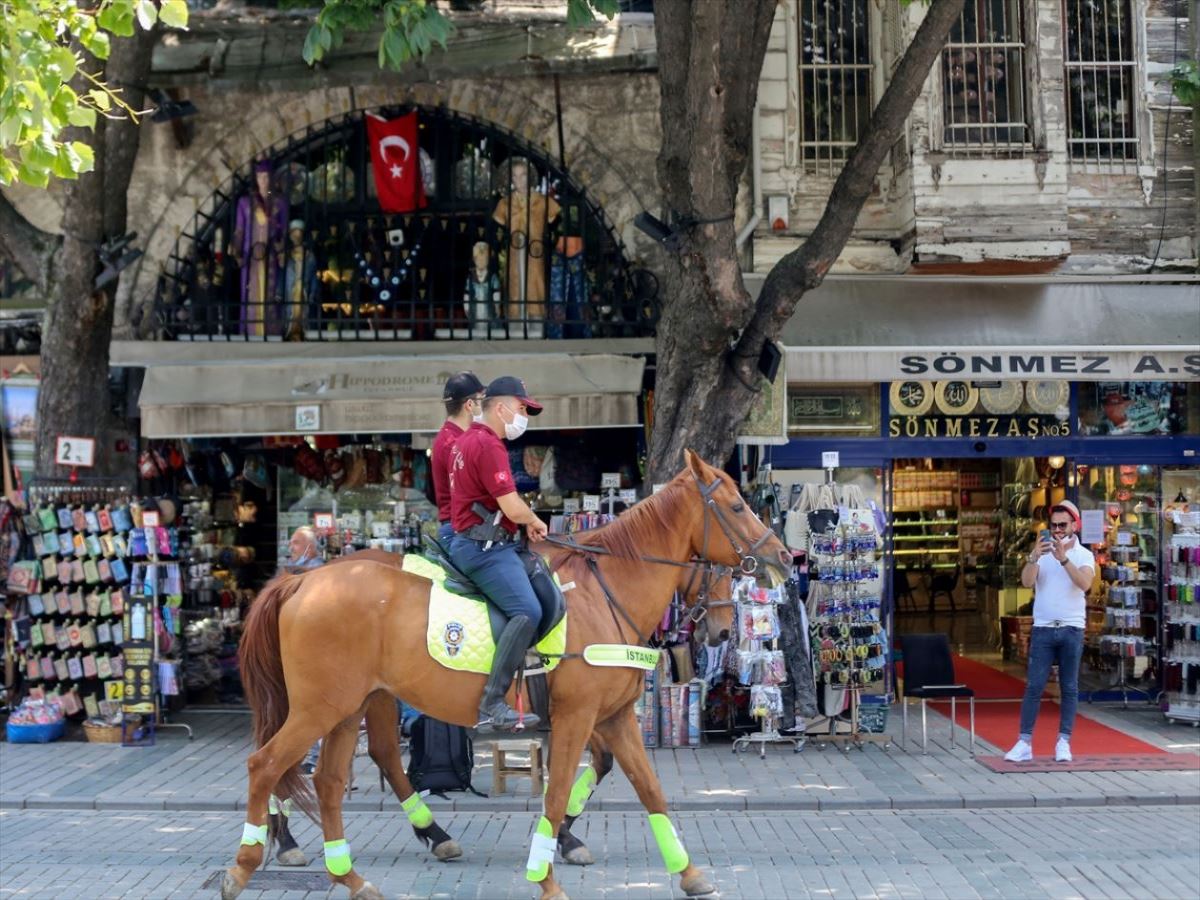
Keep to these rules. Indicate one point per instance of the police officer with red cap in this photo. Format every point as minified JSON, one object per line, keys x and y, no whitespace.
{"x":486,"y":513}
{"x":463,"y":396}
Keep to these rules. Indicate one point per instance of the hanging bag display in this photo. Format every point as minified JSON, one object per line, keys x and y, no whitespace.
{"x":824,"y":514}
{"x":795,"y":529}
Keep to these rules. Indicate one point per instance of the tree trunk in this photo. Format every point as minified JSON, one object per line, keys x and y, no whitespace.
{"x":711,"y":335}
{"x":73,"y":397}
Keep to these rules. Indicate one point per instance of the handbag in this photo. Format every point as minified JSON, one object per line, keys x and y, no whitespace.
{"x":795,"y":527}
{"x":824,"y":514}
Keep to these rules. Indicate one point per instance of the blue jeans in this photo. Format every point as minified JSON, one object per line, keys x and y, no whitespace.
{"x":445,"y":532}
{"x":1047,"y":646}
{"x":500,"y":574}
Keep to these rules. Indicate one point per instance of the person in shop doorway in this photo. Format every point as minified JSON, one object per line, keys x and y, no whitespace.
{"x":463,"y":396}
{"x":486,"y":513}
{"x":1060,"y":571}
{"x":304,"y":553}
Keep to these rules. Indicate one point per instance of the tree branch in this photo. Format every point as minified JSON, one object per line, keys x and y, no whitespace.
{"x":31,"y":249}
{"x":128,"y":67}
{"x":805,"y":267}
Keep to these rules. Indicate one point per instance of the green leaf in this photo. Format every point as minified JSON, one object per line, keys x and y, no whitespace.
{"x":147,"y":13}
{"x":99,"y":45}
{"x":101,"y":99}
{"x":117,"y":18}
{"x":33,"y":177}
{"x":83,"y":158}
{"x":8,"y":171}
{"x":82,"y":117}
{"x":173,"y":13}
{"x":10,"y":129}
{"x":312,"y":45}
{"x":64,"y":60}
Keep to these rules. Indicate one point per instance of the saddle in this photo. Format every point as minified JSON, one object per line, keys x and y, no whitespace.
{"x":550,"y":596}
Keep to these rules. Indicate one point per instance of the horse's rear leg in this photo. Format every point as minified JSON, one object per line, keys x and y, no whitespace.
{"x":624,"y":736}
{"x":383,"y":745}
{"x":571,"y":848}
{"x":288,"y":852}
{"x":569,"y":732}
{"x":337,"y":755}
{"x":266,"y":766}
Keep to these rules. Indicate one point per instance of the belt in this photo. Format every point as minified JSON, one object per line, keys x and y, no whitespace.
{"x":1057,"y":623}
{"x":485,"y":533}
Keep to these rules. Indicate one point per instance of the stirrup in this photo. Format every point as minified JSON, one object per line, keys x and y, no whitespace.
{"x":504,"y":718}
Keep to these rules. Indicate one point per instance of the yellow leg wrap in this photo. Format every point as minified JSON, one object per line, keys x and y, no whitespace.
{"x":674,"y":856}
{"x":254,"y":834}
{"x":541,"y":851}
{"x":337,"y":857}
{"x":581,"y":792}
{"x":416,"y":810}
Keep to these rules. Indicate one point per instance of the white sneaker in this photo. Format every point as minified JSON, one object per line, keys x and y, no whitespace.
{"x":1062,"y":751}
{"x":1022,"y":751}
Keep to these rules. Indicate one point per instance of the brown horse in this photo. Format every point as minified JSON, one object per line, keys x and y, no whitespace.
{"x":319,"y":648}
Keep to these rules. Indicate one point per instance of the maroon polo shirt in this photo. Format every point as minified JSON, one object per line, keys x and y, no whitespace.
{"x":443,"y":444}
{"x":479,"y":473}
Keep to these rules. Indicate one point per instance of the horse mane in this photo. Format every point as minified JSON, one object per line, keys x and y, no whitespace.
{"x":641,"y":525}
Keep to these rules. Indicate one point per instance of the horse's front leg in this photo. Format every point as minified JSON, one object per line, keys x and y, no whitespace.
{"x":569,"y":733}
{"x":383,"y":745}
{"x":571,"y":848}
{"x":624,"y":736}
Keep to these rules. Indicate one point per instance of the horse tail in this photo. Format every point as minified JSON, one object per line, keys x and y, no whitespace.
{"x":261,"y":666}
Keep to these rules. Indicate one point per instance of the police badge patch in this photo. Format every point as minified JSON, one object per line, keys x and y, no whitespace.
{"x":452,"y":639}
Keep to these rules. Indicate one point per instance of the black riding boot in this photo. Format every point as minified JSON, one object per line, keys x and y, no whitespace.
{"x":494,"y":713}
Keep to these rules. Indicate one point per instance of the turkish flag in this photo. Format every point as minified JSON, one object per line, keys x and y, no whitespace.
{"x":396,"y":160}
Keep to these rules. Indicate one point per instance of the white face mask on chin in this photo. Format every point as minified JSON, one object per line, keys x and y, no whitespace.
{"x":516,"y":428}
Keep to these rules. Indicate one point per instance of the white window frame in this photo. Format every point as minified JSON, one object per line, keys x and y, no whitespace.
{"x":991,"y":148}
{"x":830,"y":155}
{"x":1138,"y":108}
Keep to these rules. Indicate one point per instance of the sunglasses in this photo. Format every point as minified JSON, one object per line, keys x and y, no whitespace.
{"x":1059,"y":525}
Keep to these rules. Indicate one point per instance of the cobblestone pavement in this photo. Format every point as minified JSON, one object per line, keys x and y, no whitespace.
{"x":1025,"y":853}
{"x":209,"y":773}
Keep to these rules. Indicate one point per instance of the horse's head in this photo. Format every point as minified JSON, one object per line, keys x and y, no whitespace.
{"x":728,"y":533}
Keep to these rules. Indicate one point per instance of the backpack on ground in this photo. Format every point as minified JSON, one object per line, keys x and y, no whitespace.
{"x":441,"y":757}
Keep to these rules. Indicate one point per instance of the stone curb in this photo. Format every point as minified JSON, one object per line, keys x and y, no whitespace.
{"x":730,"y":804}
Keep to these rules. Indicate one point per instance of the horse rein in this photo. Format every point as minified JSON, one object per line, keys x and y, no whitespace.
{"x":703,"y":566}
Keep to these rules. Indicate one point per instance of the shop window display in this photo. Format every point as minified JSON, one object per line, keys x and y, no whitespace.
{"x":350,"y":232}
{"x":1139,"y":408}
{"x":1181,"y":595}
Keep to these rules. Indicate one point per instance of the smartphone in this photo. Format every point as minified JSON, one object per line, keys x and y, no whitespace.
{"x":1043,"y":535}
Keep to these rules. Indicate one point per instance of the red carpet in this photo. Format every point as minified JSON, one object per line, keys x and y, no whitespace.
{"x":997,"y":723}
{"x":1153,"y":762}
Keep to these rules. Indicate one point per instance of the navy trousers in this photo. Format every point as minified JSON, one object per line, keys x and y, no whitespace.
{"x":500,"y":574}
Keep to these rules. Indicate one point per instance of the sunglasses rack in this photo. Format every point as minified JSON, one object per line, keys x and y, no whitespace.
{"x":845,"y":606}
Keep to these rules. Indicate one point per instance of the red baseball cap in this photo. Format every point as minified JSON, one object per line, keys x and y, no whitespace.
{"x":511,"y":386}
{"x":1069,"y":508}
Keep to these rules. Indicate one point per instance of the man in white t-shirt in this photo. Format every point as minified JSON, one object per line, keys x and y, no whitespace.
{"x":1060,"y":570}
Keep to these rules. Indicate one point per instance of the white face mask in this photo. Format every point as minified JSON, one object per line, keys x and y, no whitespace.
{"x":516,"y":428}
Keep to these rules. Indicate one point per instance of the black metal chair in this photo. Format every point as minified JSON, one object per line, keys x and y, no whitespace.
{"x":901,"y":589}
{"x":929,"y":675}
{"x":943,"y":583}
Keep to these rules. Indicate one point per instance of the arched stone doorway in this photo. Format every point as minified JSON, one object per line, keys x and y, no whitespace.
{"x":487,"y":238}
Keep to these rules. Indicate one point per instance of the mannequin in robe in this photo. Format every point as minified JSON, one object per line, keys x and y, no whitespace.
{"x":481,"y":299}
{"x":299,"y":281}
{"x":526,"y":215}
{"x":258,"y":248}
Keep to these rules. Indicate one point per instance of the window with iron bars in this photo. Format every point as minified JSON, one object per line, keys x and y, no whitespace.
{"x":835,"y":79}
{"x":984,"y":107}
{"x":498,"y":243}
{"x":1100,"y":65}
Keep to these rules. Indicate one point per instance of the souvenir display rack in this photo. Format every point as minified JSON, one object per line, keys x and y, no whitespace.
{"x":845,"y":609}
{"x":1181,"y":619}
{"x":78,"y":535}
{"x":760,"y":663}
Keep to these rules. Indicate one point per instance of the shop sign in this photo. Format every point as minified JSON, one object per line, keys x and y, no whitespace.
{"x":139,"y":680}
{"x":1030,"y":425}
{"x":833,"y":408}
{"x":767,"y":421}
{"x":1097,"y":365}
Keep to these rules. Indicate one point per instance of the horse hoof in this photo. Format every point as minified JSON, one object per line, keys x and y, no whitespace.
{"x":580,"y":856}
{"x":447,"y":850}
{"x":367,"y":892}
{"x":230,"y":887}
{"x":292,"y":857}
{"x":698,"y":886}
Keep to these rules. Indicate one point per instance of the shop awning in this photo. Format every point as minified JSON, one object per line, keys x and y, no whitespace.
{"x":865,"y":329}
{"x":358,"y":395}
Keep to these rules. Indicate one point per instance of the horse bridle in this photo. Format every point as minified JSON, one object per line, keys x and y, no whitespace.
{"x":702,"y":566}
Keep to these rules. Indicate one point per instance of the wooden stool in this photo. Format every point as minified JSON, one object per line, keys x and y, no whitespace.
{"x":501,"y":771}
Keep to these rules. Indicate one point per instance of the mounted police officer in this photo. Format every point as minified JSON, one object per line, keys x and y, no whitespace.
{"x":463,"y":396}
{"x":486,"y":513}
